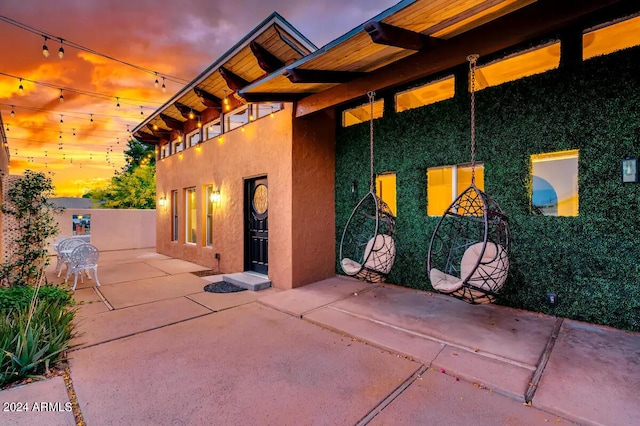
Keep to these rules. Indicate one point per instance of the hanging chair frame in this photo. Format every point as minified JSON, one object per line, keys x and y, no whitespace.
{"x":472,"y":212}
{"x":378,"y":248}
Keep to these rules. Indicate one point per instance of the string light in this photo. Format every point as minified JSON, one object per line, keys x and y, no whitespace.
{"x":199,"y":123}
{"x":118,"y":141}
{"x":45,"y":49}
{"x":141,"y":111}
{"x":13,"y":113}
{"x":60,"y":137}
{"x":61,"y":96}
{"x":191,"y":116}
{"x":61,"y":50}
{"x":21,"y":88}
{"x":61,"y":121}
{"x":91,"y":117}
{"x":164,"y":88}
{"x":74,"y":132}
{"x":156,"y":83}
{"x":155,"y":126}
{"x":7,"y":129}
{"x":118,"y":103}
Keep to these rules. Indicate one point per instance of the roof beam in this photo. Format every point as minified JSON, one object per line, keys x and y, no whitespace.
{"x":159,"y":133}
{"x":273,"y":97}
{"x":532,"y":21}
{"x":186,"y":111}
{"x":207,"y":99}
{"x":171,"y":122}
{"x":390,"y":35}
{"x":267,"y":60}
{"x":146,"y":137}
{"x":297,"y":75}
{"x":234,"y":81}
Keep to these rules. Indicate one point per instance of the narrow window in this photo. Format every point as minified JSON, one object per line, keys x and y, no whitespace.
{"x":444,"y":184}
{"x":236,"y":118}
{"x":386,"y":189}
{"x":174,"y":214}
{"x":194,"y":138}
{"x":362,"y":113}
{"x":190,"y":212}
{"x":611,"y":38}
{"x":209,"y":215}
{"x":555,"y":183}
{"x":213,"y":129}
{"x":425,"y":95}
{"x":535,"y":61}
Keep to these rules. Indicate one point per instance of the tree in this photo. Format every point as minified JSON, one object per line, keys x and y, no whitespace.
{"x":35,"y":224}
{"x":135,"y":186}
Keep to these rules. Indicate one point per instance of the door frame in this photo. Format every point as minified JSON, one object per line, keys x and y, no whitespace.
{"x":248,"y":202}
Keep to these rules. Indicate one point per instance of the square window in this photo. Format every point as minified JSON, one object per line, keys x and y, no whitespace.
{"x":444,"y":184}
{"x":555,"y":183}
{"x":386,"y":190}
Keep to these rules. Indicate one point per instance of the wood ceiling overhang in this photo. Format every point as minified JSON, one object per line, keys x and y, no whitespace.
{"x":273,"y":43}
{"x":415,"y":39}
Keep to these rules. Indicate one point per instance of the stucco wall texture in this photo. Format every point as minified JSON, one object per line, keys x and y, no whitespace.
{"x":297,"y":160}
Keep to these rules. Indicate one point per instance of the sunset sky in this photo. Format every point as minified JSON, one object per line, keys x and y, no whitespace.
{"x":176,"y":38}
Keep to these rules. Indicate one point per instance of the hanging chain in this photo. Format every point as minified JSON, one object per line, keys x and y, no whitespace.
{"x":472,"y":75}
{"x":371,"y":95}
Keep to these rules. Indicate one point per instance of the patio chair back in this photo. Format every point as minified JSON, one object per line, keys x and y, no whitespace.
{"x":84,"y":256}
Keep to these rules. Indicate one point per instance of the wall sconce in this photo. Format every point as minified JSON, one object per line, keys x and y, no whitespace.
{"x":630,"y":170}
{"x":162,"y":202}
{"x":215,"y":196}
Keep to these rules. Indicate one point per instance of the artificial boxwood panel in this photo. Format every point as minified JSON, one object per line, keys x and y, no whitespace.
{"x":591,"y":261}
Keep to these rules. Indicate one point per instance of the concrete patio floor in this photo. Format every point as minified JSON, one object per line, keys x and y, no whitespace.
{"x":154,"y":348}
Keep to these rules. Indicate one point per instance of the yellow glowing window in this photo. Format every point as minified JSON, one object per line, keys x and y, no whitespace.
{"x":520,"y":65}
{"x":425,"y":95}
{"x":444,"y":184}
{"x":190,"y":197}
{"x":208,"y":201}
{"x":555,"y":183}
{"x":611,"y":38}
{"x":386,"y":190}
{"x":362,"y":113}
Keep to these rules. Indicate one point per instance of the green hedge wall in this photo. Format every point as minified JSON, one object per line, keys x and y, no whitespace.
{"x":592,"y":261}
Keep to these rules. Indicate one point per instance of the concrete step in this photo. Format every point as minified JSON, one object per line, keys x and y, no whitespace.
{"x":249,"y":280}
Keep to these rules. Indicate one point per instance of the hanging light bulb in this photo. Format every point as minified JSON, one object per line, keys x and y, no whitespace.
{"x":199,"y":122}
{"x":61,"y":120}
{"x":141,"y":111}
{"x":60,"y":137}
{"x":155,"y":126}
{"x":13,"y":113}
{"x":7,"y":129}
{"x":164,"y":88}
{"x":45,"y":49}
{"x":45,"y":153}
{"x":156,"y":83}
{"x":191,"y":116}
{"x":91,"y":117}
{"x":61,"y":96}
{"x":21,"y":88}
{"x":74,"y":132}
{"x":118,"y":103}
{"x":118,"y":141}
{"x":61,"y":50}
{"x":242,"y":128}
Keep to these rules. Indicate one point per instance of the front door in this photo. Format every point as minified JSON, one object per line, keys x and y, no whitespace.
{"x":256,"y":225}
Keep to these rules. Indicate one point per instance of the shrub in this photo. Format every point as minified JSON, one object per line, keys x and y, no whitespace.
{"x":16,"y":298}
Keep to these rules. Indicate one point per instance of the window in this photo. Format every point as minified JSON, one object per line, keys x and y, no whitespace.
{"x":209,"y":215}
{"x":610,"y":38}
{"x":555,"y":183}
{"x":262,"y":110}
{"x":361,"y":114}
{"x":213,"y":129}
{"x":425,"y":95}
{"x":174,"y":214}
{"x":194,"y":138}
{"x":520,"y":65}
{"x":178,"y":145}
{"x":190,"y":214}
{"x":444,"y":184}
{"x":237,"y":118}
{"x":166,"y":150}
{"x":386,"y":189}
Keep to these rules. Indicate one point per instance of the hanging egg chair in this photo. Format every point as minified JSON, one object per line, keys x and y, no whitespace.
{"x":367,"y":247}
{"x":468,"y":252}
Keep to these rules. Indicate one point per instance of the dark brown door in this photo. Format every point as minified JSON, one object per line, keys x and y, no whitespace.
{"x":257,"y":225}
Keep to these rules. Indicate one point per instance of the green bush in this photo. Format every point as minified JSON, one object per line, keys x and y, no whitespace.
{"x":591,"y":260}
{"x":30,"y":344}
{"x":16,"y":298}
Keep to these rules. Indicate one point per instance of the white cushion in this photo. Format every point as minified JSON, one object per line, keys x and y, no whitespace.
{"x":380,"y":253}
{"x":492,"y":259}
{"x":350,"y":267}
{"x":444,"y":283}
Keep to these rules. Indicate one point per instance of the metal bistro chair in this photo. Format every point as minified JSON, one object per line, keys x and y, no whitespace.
{"x":84,"y":258}
{"x":64,"y":249}
{"x":55,"y":245}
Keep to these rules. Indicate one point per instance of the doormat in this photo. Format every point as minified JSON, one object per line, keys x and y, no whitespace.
{"x":222,"y":287}
{"x":205,"y":273}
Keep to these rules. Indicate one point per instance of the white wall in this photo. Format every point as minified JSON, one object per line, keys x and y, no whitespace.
{"x":114,"y":229}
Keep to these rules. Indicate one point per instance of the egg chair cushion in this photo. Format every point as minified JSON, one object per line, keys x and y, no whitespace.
{"x":492,"y":270}
{"x":380,"y":253}
{"x":350,"y":267}
{"x":444,"y":283}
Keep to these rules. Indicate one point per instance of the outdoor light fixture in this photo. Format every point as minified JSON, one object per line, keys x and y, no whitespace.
{"x":191,"y":115}
{"x":61,"y":50}
{"x":164,"y":88}
{"x":45,"y":49}
{"x":21,"y":88}
{"x":13,"y":113}
{"x":156,"y":83}
{"x":215,"y":196}
{"x":163,"y":201}
{"x":629,"y":170}
{"x":61,"y":96}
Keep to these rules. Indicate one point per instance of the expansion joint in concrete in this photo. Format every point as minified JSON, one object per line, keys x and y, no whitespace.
{"x":537,"y":375}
